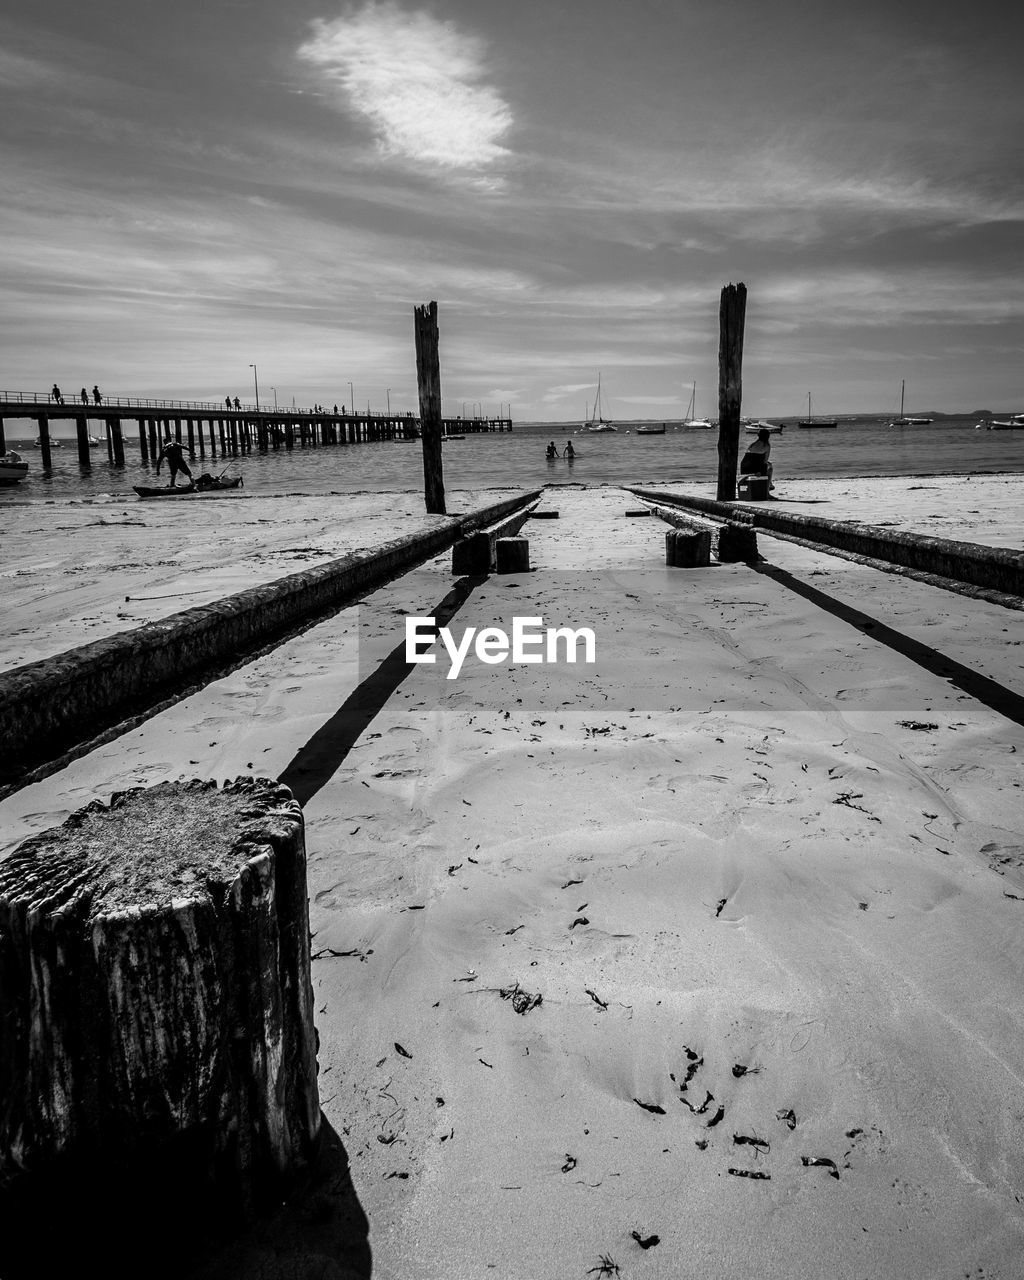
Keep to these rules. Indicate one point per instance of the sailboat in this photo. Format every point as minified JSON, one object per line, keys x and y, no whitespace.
{"x":695,"y":424}
{"x":901,"y":421}
{"x":596,"y":422}
{"x":810,"y":421}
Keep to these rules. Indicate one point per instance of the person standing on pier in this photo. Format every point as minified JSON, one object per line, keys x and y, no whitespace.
{"x":56,"y":395}
{"x":84,"y":396}
{"x":238,"y":403}
{"x":96,"y":397}
{"x":175,"y":456}
{"x":227,"y":401}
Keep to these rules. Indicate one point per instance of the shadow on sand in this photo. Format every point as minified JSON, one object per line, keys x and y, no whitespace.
{"x":157,"y":1226}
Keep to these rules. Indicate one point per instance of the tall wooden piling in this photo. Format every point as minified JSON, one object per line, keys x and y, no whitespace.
{"x":143,"y":442}
{"x":731,"y":315}
{"x":428,"y":377}
{"x":44,"y":442}
{"x":82,"y":432}
{"x":116,"y":441}
{"x":3,"y":440}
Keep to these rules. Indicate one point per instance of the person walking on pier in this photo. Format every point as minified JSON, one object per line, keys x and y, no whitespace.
{"x":238,"y":403}
{"x":56,"y":395}
{"x":175,"y":456}
{"x":84,"y":396}
{"x":96,"y":397}
{"x":227,"y":401}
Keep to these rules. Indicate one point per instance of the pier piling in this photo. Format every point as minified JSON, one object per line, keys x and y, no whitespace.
{"x":82,"y":432}
{"x":428,"y":377}
{"x":731,"y":315}
{"x":44,"y":442}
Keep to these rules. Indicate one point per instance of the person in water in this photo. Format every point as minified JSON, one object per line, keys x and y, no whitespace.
{"x":755,"y":462}
{"x":552,"y":451}
{"x":175,"y":456}
{"x":569,"y":452}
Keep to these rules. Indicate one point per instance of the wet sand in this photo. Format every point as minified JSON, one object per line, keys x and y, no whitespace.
{"x":764,"y":872}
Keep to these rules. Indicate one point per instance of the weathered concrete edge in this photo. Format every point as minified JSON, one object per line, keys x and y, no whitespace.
{"x":46,"y":705}
{"x":995,"y":568}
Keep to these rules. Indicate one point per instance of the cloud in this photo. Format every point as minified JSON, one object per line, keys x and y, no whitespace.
{"x":417,"y":81}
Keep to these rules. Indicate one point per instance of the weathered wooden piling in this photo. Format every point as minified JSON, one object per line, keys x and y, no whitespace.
{"x":731,"y":316}
{"x":155,"y":993}
{"x":3,"y":438}
{"x":45,"y":457}
{"x":428,"y":377}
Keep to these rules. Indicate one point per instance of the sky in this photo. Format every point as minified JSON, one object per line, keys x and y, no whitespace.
{"x":189,"y":189}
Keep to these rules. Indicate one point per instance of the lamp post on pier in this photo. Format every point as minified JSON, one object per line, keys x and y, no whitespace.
{"x":351,"y":397}
{"x":274,"y":389}
{"x":256,"y":382}
{"x":389,"y":402}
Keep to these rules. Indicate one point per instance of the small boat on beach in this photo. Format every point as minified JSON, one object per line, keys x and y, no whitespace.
{"x":901,"y":421}
{"x":205,"y":484}
{"x":595,"y":422}
{"x":12,"y":468}
{"x":811,"y":423}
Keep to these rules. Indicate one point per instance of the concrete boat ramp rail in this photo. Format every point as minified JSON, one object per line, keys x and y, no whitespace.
{"x":766,"y":838}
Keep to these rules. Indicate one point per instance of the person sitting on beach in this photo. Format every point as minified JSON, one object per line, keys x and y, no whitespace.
{"x":755,"y":461}
{"x":96,"y":397}
{"x":175,"y":456}
{"x":569,"y":452}
{"x":552,"y":450}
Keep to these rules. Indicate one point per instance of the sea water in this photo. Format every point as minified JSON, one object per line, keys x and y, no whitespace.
{"x":861,"y":446}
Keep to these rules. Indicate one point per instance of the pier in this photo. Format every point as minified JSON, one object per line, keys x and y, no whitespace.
{"x":206,"y":427}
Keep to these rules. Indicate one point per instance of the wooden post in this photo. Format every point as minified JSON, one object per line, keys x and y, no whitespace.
{"x":731,"y":314}
{"x":512,"y":555}
{"x":116,"y":441}
{"x":3,"y":442}
{"x":154,"y":440}
{"x":190,"y":428}
{"x":44,"y":442}
{"x":428,"y":377}
{"x":155,"y":993}
{"x":213,"y":437}
{"x":143,"y":442}
{"x":82,"y":432}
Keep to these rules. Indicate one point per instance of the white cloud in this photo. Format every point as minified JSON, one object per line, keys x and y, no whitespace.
{"x":418,"y":81}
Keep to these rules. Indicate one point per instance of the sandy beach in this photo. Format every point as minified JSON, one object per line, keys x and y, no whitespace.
{"x":704,"y":959}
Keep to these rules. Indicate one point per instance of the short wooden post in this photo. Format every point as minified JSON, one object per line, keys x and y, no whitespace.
{"x":428,"y":377}
{"x":731,"y":315}
{"x":737,"y":542}
{"x":82,"y":432}
{"x":472,"y":554}
{"x":155,"y":993}
{"x":688,"y":548}
{"x":512,"y":555}
{"x":44,"y":442}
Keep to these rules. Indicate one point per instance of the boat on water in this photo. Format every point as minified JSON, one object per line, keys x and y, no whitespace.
{"x":54,"y":443}
{"x":754,"y":427}
{"x":205,"y":484}
{"x":811,"y":423}
{"x":12,"y":468}
{"x":902,"y":421}
{"x":596,"y":421}
{"x":1015,"y":422}
{"x":696,"y":424}
{"x":651,"y":429}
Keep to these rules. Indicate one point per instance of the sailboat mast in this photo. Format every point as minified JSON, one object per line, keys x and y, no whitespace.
{"x":903,"y":387}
